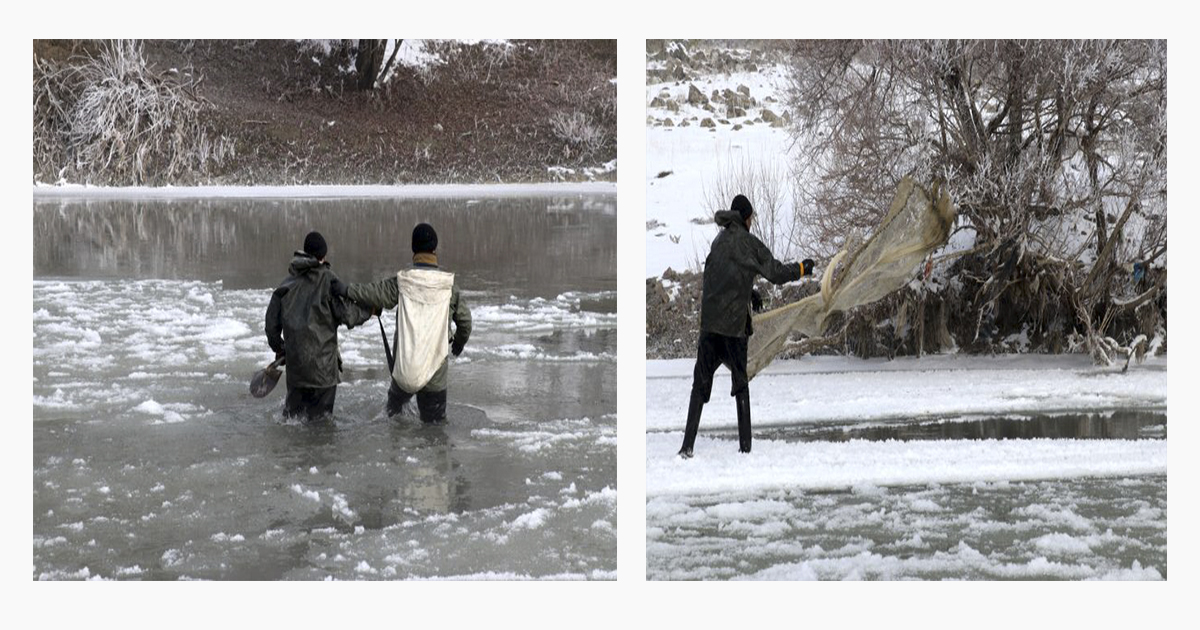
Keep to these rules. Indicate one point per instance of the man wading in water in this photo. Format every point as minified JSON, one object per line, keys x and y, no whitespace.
{"x":301,"y":325}
{"x":736,"y":258}
{"x":429,"y":300}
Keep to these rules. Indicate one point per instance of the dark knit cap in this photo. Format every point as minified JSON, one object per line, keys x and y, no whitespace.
{"x":314,"y":245}
{"x":424,"y":238}
{"x":741,"y":205}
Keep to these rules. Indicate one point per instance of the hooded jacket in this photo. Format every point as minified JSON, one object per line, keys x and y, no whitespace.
{"x":735,"y":259}
{"x":302,"y":321}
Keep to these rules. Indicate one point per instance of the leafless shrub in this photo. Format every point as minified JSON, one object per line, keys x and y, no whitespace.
{"x":582,"y":137}
{"x":475,"y":63}
{"x":764,"y":183}
{"x":113,"y":119}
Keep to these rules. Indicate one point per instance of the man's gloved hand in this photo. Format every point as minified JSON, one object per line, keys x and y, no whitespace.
{"x":806,"y":267}
{"x":756,"y":303}
{"x":456,"y":348}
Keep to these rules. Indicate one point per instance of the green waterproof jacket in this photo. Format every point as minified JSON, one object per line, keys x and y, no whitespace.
{"x":736,"y":258}
{"x":385,"y":294}
{"x":302,"y":321}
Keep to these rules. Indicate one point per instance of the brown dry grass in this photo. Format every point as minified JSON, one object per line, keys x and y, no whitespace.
{"x":485,"y":116}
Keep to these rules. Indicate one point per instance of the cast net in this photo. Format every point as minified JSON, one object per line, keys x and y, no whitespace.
{"x":917,"y":223}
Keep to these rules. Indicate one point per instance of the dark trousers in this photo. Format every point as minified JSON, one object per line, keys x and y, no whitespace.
{"x":310,"y":403}
{"x":431,"y":405}
{"x":712,"y":352}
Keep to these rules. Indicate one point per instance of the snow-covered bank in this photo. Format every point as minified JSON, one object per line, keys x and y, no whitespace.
{"x":416,"y":191}
{"x":817,"y":389}
{"x":718,"y":469}
{"x":683,"y":158}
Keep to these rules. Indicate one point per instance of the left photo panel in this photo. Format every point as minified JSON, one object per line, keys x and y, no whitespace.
{"x":324,"y":309}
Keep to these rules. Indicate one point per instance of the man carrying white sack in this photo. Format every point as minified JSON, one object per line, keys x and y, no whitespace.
{"x":429,"y":300}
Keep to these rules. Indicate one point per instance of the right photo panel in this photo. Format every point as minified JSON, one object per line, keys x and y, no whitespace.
{"x":906,"y":309}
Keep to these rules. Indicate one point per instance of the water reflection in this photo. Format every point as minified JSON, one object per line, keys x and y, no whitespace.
{"x":1117,"y":425}
{"x":542,"y":246}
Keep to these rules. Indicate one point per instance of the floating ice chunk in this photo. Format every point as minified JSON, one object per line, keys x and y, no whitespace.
{"x":924,"y":505}
{"x":1135,"y":572}
{"x":203,"y":297}
{"x":531,"y":520}
{"x":172,"y":557}
{"x":150,"y":407}
{"x":312,"y":495}
{"x":341,"y":510}
{"x":1062,"y":544}
{"x":604,"y":526}
{"x":791,"y":572}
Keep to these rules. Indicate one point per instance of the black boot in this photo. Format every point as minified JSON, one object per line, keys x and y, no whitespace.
{"x":743,"y":410}
{"x":693,"y":425}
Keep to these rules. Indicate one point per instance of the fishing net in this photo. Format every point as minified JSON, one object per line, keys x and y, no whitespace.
{"x":916,"y":224}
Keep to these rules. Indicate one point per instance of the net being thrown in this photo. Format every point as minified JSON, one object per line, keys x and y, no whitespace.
{"x":917,"y":223}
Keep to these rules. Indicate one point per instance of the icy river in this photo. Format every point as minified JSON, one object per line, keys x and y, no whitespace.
{"x":941,"y":468}
{"x":152,"y":461}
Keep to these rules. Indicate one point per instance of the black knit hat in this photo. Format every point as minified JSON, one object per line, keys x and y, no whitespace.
{"x":314,"y":245}
{"x":424,"y":238}
{"x":741,"y":205}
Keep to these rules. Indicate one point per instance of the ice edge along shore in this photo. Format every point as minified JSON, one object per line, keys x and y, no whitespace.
{"x":423,"y":191}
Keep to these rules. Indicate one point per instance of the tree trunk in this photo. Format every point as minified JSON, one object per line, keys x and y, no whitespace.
{"x":369,"y":61}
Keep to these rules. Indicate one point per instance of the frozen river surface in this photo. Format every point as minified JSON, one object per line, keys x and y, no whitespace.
{"x":937,"y":468}
{"x":152,"y":461}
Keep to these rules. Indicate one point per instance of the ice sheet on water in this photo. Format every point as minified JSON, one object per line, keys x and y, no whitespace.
{"x":816,"y":389}
{"x":166,"y":353}
{"x":142,"y":348}
{"x":818,"y":535}
{"x":529,"y":352}
{"x":543,"y":315}
{"x":719,"y":469}
{"x":547,"y":436}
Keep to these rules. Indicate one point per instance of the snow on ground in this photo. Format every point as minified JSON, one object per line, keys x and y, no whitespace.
{"x":719,"y":469}
{"x":694,"y":156}
{"x":816,"y":389}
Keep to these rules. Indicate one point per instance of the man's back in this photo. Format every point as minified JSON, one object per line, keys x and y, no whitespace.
{"x":302,"y":322}
{"x":735,"y":259}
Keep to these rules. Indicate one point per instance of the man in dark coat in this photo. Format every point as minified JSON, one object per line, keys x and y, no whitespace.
{"x":301,"y":325}
{"x":733,"y":262}
{"x":385,"y":294}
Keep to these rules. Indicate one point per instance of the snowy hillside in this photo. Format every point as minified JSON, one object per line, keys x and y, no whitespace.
{"x":731,"y":117}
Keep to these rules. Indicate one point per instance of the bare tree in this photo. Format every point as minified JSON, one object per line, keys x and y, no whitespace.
{"x":369,"y":61}
{"x":1036,"y":140}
